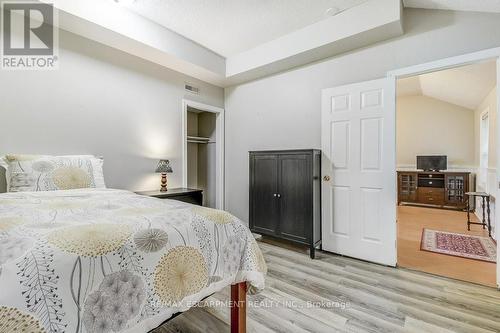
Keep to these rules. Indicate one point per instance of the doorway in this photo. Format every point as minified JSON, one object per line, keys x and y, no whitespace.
{"x":359,"y":179}
{"x":446,"y":146}
{"x":203,"y":151}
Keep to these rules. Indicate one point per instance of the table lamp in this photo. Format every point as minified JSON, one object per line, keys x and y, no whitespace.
{"x":163,"y":168}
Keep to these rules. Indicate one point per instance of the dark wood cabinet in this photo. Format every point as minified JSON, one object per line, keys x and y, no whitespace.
{"x":189,"y":195}
{"x":443,"y":189}
{"x":407,"y":184}
{"x":263,"y":189}
{"x":456,"y":187}
{"x":285,"y":195}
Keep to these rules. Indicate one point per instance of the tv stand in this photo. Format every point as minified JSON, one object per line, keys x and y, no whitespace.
{"x":431,"y":188}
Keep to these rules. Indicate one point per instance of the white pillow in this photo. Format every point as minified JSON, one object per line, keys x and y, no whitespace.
{"x":50,"y":173}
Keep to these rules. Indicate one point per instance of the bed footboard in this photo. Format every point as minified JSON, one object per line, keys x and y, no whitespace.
{"x":239,"y":307}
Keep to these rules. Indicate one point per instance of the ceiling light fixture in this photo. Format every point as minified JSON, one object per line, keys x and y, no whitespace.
{"x":332,"y":11}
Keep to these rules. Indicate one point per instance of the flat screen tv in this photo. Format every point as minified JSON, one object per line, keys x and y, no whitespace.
{"x":432,"y":163}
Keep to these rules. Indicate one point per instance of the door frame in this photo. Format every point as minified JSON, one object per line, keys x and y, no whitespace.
{"x":219,"y":143}
{"x":443,"y":64}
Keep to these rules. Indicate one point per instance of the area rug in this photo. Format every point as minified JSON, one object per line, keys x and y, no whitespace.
{"x":459,"y":245}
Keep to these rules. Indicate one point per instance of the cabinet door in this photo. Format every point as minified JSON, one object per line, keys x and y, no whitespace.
{"x":456,"y":186}
{"x":295,"y":190}
{"x":264,"y":213}
{"x":407,"y":190}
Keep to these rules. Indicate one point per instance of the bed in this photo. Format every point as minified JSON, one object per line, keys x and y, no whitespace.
{"x":104,"y":260}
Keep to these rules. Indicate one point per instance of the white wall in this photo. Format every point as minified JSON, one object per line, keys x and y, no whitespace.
{"x":490,"y":103}
{"x":428,"y":126}
{"x":104,"y":102}
{"x":284,"y":110}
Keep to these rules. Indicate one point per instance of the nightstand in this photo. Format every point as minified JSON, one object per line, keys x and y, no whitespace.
{"x":189,"y":195}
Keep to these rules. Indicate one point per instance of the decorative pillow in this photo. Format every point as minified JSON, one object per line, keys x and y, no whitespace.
{"x":50,"y":173}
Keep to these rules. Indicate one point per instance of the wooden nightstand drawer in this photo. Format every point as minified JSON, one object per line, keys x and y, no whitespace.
{"x":192,"y":196}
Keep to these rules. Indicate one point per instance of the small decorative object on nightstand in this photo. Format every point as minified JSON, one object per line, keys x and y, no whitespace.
{"x":163,"y":168}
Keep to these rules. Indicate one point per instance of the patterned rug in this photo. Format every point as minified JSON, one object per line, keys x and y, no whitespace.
{"x":459,"y":245}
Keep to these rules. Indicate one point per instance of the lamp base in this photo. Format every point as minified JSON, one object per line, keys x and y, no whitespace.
{"x":163,"y":187}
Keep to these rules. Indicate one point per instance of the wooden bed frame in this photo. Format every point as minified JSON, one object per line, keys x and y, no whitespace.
{"x":238,"y":308}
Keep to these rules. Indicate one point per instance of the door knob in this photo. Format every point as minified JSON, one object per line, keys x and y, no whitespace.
{"x":326,"y":178}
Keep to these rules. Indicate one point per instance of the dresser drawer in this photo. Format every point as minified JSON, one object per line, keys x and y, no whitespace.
{"x":432,"y":196}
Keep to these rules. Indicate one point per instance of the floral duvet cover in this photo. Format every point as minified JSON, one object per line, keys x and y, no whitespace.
{"x":102,"y":260}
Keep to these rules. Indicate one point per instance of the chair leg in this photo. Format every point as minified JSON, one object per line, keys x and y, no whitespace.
{"x":488,"y":211}
{"x":468,"y":214}
{"x":238,"y":307}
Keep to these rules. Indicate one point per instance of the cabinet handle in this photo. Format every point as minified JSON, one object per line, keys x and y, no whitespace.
{"x":279,"y":195}
{"x":275,"y":195}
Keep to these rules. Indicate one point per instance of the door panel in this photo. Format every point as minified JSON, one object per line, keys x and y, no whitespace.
{"x":497,"y":185}
{"x":371,"y":204}
{"x":371,"y":144}
{"x":359,"y":184}
{"x":264,"y":174}
{"x":340,"y":151}
{"x":295,"y":196}
{"x":341,"y":197}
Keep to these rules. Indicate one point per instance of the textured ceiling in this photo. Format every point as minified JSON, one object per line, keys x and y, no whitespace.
{"x":465,"y":86}
{"x":460,"y":5}
{"x":228,"y":27}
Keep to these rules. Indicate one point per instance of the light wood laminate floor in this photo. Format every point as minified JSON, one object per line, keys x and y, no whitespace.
{"x":411,"y":221}
{"x":376,"y":298}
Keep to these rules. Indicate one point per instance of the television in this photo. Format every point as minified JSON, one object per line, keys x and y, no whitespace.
{"x":432,"y":163}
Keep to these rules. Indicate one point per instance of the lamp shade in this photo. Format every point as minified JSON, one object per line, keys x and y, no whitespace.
{"x":164,"y":167}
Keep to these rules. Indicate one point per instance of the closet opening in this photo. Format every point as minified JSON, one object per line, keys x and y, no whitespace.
{"x":203,"y":128}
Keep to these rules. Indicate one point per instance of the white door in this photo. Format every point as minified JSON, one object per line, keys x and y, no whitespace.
{"x":359,"y":171}
{"x":497,"y":191}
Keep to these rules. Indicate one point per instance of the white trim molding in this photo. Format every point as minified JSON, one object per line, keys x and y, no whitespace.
{"x":442,"y":64}
{"x":457,"y":168}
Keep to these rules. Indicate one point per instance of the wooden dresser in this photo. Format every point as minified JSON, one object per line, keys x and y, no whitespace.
{"x":441,"y":189}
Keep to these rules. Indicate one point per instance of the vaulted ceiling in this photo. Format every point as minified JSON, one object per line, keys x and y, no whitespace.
{"x":465,"y":86}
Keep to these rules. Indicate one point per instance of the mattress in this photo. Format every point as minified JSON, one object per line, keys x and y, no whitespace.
{"x":103,"y":260}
